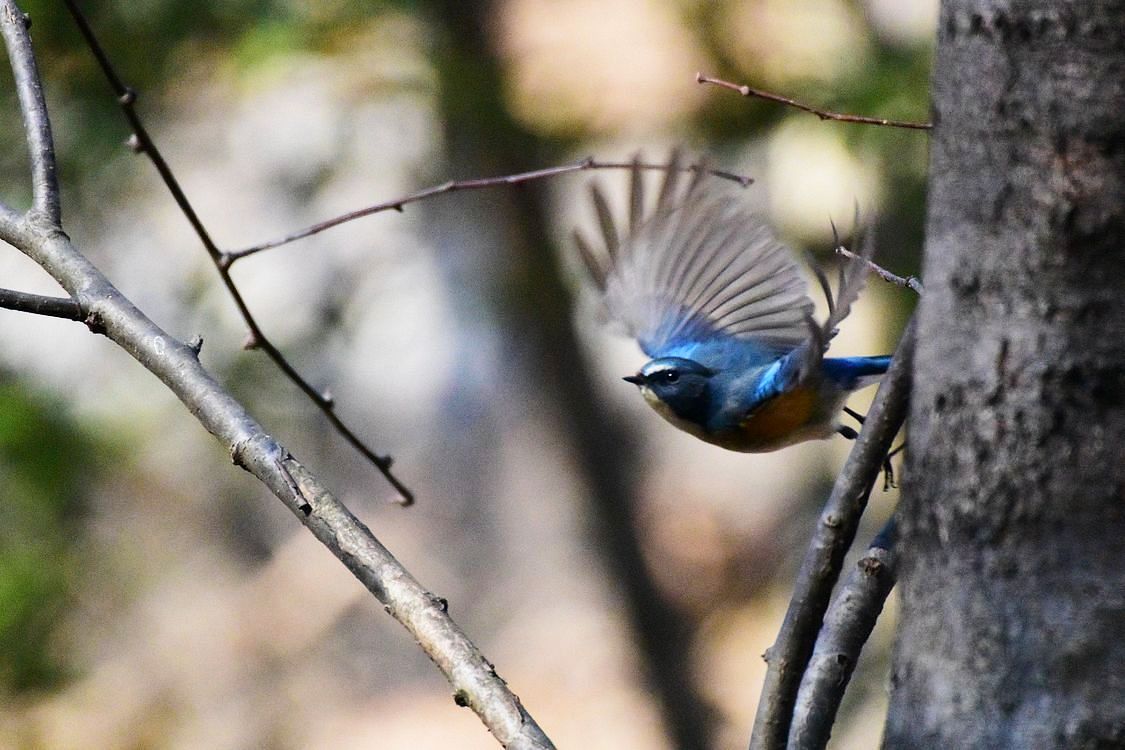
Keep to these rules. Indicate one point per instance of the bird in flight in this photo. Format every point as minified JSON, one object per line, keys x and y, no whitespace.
{"x":720,"y":307}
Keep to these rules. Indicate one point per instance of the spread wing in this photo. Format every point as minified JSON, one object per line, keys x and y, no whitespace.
{"x":699,"y":266}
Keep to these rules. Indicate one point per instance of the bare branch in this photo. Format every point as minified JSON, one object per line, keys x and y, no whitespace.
{"x":14,"y":24}
{"x":908,"y":282}
{"x":36,"y":304}
{"x":847,"y":626}
{"x":823,"y":114}
{"x":142,"y":142}
{"x":176,"y":364}
{"x":457,"y":185}
{"x":789,"y":655}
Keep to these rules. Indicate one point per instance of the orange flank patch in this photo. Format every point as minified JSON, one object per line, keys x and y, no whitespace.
{"x":776,"y":421}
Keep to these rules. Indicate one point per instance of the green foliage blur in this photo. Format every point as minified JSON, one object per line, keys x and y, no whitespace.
{"x":45,"y":468}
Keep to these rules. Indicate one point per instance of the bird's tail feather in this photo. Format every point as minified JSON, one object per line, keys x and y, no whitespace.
{"x":853,"y":373}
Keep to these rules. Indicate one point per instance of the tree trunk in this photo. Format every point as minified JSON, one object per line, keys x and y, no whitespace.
{"x":1013,"y":517}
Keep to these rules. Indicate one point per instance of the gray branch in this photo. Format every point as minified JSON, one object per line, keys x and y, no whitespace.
{"x":37,"y":304}
{"x":847,"y":626}
{"x":14,"y":24}
{"x":834,"y":535}
{"x":39,"y":235}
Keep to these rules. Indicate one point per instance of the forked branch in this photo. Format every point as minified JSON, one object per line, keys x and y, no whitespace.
{"x":39,"y":235}
{"x":847,"y":626}
{"x":142,"y":141}
{"x":833,"y":536}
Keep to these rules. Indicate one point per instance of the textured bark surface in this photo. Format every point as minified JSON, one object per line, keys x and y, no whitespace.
{"x":1013,"y":519}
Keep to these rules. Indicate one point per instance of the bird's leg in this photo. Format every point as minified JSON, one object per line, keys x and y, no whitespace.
{"x":888,"y":468}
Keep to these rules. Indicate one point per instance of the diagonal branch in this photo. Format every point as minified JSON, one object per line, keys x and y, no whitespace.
{"x":474,"y":680}
{"x":907,"y":282}
{"x":459,"y":185}
{"x":142,"y":141}
{"x":176,"y":364}
{"x":37,"y":304}
{"x":823,"y":114}
{"x":14,"y":25}
{"x":789,"y":655}
{"x":847,"y":626}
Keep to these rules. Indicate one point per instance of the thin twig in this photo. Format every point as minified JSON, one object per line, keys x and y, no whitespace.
{"x":176,"y":364}
{"x":823,"y":114}
{"x":847,"y":626}
{"x":37,"y":304}
{"x":789,"y":655}
{"x":141,"y":141}
{"x":456,"y":185}
{"x":908,"y":282}
{"x":29,"y":86}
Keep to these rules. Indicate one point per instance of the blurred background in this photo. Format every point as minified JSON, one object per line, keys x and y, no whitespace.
{"x":624,"y":577}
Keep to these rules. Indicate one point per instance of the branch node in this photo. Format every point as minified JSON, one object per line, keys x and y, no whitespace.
{"x":440,"y":602}
{"x":251,"y":342}
{"x":461,"y":698}
{"x":196,"y":344}
{"x":26,"y":20}
{"x":871,"y":566}
{"x":134,"y":144}
{"x":328,"y":399}
{"x":225,"y":260}
{"x":236,"y":451}
{"x":128,"y":97}
{"x":94,"y":322}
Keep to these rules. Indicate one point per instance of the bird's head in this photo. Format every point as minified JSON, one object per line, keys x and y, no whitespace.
{"x":677,"y":385}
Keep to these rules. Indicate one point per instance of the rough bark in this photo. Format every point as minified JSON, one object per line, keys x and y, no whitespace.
{"x":1013,"y":521}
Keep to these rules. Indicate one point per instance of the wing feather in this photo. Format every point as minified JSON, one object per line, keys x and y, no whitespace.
{"x":699,"y":266}
{"x":702,"y":266}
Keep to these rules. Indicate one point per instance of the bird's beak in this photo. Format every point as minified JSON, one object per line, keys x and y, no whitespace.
{"x":634,"y":379}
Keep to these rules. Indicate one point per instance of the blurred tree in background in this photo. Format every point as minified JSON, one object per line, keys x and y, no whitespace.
{"x":179,"y":608}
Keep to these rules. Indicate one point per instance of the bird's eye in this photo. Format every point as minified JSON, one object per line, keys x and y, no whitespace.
{"x":669,"y":376}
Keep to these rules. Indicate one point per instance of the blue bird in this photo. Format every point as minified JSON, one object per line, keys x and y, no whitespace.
{"x":720,"y":307}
